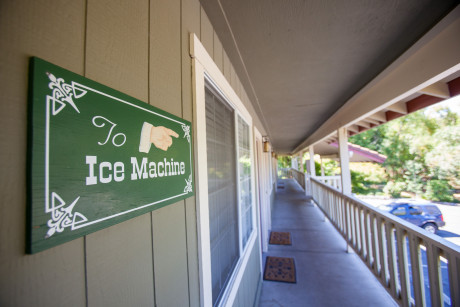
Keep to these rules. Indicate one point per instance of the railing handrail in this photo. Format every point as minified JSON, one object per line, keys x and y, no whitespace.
{"x":387,"y":244}
{"x":327,"y":177}
{"x":298,"y":176}
{"x":297,"y":171}
{"x":426,"y":236}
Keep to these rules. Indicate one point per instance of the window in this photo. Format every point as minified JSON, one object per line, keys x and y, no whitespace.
{"x":413,"y":210}
{"x":244,"y":161}
{"x":225,"y":187}
{"x":399,"y":211}
{"x":222,"y":191}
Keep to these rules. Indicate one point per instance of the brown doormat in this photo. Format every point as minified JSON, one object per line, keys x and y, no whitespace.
{"x":280,"y":238}
{"x":280,"y":269}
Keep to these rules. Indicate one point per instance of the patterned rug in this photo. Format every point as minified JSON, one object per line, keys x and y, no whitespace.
{"x":280,"y":269}
{"x":280,"y":238}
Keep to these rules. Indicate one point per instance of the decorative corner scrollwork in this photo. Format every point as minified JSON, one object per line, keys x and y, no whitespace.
{"x":63,"y":93}
{"x":62,"y":217}
{"x":186,"y":129}
{"x":188,"y":187}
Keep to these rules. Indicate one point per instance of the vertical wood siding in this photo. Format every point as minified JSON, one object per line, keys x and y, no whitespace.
{"x":138,"y":47}
{"x":191,"y":11}
{"x":56,"y":276}
{"x":119,"y":258}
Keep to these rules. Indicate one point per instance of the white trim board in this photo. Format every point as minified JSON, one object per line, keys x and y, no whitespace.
{"x":215,"y":77}
{"x":206,"y":71}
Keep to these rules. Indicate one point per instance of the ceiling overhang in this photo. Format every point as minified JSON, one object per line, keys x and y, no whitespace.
{"x":311,"y":67}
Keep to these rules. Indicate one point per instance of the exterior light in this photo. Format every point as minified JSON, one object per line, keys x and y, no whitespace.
{"x":266,"y":144}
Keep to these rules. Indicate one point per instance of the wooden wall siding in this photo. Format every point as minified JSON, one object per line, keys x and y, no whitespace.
{"x":207,"y":33}
{"x":117,"y":45}
{"x":190,"y":23}
{"x":192,"y":252}
{"x":170,"y":255}
{"x":140,"y":48}
{"x":218,"y":53}
{"x":169,"y":223}
{"x":272,"y":196}
{"x":191,"y":12}
{"x":165,"y":56}
{"x":233,"y":80}
{"x":119,"y":264}
{"x":119,"y":258}
{"x":44,"y":279}
{"x":227,"y":70}
{"x":252,"y":278}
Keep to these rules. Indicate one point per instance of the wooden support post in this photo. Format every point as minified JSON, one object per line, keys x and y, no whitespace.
{"x":312,"y":161}
{"x":344,"y":161}
{"x":322,"y":168}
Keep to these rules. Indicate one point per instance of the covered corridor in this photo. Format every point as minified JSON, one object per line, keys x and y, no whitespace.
{"x":326,"y":274}
{"x":240,"y":83}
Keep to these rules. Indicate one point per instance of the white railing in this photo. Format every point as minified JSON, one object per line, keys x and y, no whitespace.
{"x":298,"y":176}
{"x":283,"y":172}
{"x":293,"y":173}
{"x":333,"y":181}
{"x":417,"y":268}
{"x":304,"y":179}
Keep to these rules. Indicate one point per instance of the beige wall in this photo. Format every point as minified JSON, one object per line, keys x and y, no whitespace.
{"x":138,"y":47}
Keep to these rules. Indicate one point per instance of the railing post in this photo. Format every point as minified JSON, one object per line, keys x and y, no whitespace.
{"x":363,"y":232}
{"x":375,"y":245}
{"x":434,"y":272}
{"x":454,"y":279}
{"x":383,"y":243}
{"x":417,"y":282}
{"x":308,"y":190}
{"x":368,"y":235}
{"x":382,"y":252}
{"x":347,"y":225}
{"x":391,"y":256}
{"x":354,"y":237}
{"x":403,"y":267}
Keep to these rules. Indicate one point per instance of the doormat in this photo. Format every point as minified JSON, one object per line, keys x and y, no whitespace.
{"x":280,"y":238}
{"x":280,"y":269}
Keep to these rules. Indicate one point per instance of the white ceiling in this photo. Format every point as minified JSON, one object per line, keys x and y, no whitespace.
{"x":300,"y":60}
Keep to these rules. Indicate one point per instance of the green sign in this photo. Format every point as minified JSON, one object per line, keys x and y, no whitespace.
{"x":97,"y":157}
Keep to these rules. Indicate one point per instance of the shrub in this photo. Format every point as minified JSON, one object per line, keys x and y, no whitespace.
{"x":439,"y":190}
{"x":394,"y":188}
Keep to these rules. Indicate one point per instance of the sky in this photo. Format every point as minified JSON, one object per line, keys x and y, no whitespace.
{"x":452,"y":103}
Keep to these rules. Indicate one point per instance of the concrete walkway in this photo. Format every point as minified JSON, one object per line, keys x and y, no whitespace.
{"x":326,"y":274}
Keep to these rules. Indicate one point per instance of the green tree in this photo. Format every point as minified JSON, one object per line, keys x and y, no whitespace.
{"x":423,"y":152}
{"x":371,"y":138}
{"x":284,"y":162}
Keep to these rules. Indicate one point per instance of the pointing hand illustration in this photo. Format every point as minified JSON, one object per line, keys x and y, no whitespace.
{"x":160,"y":136}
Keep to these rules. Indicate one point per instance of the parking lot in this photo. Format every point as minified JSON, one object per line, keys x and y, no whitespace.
{"x":451,"y":231}
{"x":450,"y":213}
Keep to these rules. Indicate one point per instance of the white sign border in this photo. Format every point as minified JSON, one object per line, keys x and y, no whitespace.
{"x":62,"y":94}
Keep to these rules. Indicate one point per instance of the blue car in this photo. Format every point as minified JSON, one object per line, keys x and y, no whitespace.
{"x":425,"y":215}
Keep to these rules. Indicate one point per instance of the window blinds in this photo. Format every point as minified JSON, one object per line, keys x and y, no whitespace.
{"x":223,"y":210}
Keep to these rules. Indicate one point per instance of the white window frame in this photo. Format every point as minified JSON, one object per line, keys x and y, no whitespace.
{"x":205,"y":71}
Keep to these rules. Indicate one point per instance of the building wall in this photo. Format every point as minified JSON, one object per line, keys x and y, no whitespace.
{"x":138,"y":47}
{"x":251,"y":284}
